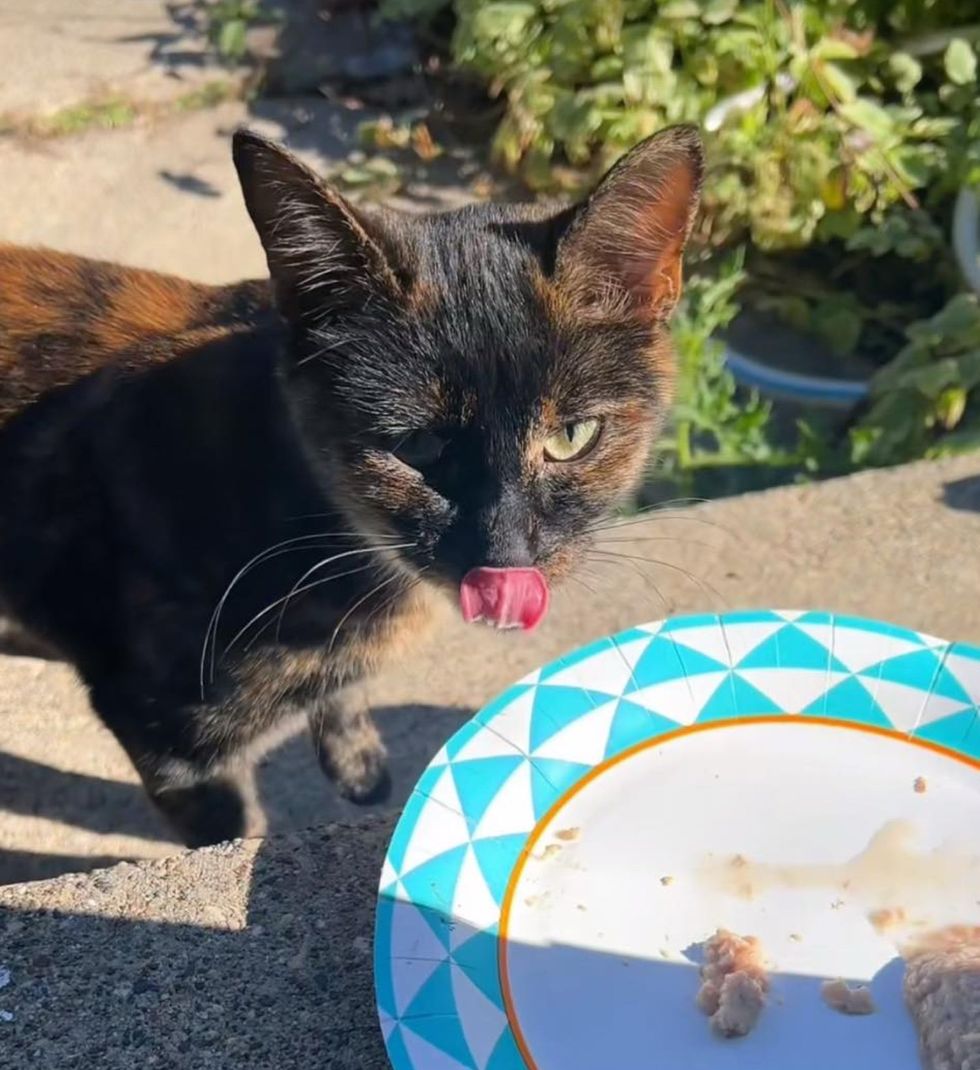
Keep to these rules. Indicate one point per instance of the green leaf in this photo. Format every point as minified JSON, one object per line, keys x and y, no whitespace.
{"x":950,"y":407}
{"x":232,"y":39}
{"x":606,"y":68}
{"x":869,"y":116}
{"x":680,"y":9}
{"x":969,"y":369}
{"x":906,"y":71}
{"x":960,"y":316}
{"x":833,"y":48}
{"x":718,"y":11}
{"x":840,"y":83}
{"x":933,"y":379}
{"x":839,"y":325}
{"x":960,"y":62}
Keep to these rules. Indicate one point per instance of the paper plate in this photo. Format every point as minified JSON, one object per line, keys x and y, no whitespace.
{"x":808,"y":779}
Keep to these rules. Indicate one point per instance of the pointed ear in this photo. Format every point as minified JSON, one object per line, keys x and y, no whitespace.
{"x":624,"y":248}
{"x":321,"y":256}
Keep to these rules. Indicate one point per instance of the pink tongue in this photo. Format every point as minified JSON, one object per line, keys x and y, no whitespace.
{"x":504,"y":597}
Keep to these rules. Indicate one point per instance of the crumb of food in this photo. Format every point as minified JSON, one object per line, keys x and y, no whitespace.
{"x":549,"y":851}
{"x":919,"y":785}
{"x":837,"y":904}
{"x":796,"y":938}
{"x":667,"y":881}
{"x":734,"y":983}
{"x":738,"y":861}
{"x":942,"y":993}
{"x":568,"y":835}
{"x":887,"y":919}
{"x":842,"y":997}
{"x":582,"y":907}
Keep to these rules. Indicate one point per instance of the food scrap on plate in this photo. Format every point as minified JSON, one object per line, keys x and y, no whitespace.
{"x":734,"y":983}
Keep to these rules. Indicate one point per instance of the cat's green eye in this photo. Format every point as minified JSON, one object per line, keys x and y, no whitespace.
{"x":420,"y":448}
{"x":573,"y":441}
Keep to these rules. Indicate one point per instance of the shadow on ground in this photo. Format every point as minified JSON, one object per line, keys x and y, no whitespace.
{"x":282,"y":977}
{"x":291,"y":789}
{"x":180,"y":47}
{"x":288,"y":985}
{"x":963,"y":494}
{"x":321,"y":78}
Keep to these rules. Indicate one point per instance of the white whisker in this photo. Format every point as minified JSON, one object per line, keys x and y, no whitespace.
{"x":297,"y":542}
{"x":374,"y":590}
{"x":337,"y":557}
{"x":299,"y":587}
{"x":706,"y":588}
{"x":279,"y":601}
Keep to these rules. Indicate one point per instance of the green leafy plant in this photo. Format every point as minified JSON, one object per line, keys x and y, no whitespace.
{"x":924,"y":401}
{"x":716,"y":424}
{"x":858,"y":123}
{"x":228,"y":23}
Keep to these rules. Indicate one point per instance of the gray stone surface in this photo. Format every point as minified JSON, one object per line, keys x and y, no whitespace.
{"x":900,"y":545}
{"x":164,"y":195}
{"x":250,"y":956}
{"x":56,"y":54}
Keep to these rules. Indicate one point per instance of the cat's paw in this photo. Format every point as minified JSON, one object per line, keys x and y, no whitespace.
{"x":358,"y":767}
{"x":204,"y":814}
{"x":372,"y":788}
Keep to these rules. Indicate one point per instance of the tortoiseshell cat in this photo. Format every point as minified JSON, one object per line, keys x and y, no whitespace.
{"x":441,"y":404}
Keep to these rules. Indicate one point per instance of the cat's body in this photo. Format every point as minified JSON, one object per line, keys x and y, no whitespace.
{"x":63,"y":316}
{"x":439,"y":395}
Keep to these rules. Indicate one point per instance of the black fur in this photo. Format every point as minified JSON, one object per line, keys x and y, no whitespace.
{"x":389,"y":425}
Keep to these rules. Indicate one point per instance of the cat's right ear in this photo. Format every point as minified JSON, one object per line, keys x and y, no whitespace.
{"x":321,"y":256}
{"x":622,"y":249}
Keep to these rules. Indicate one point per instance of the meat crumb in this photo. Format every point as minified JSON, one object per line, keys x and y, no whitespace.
{"x":734,"y":983}
{"x":942,"y":993}
{"x":666,"y":881}
{"x":919,"y":785}
{"x":568,"y":835}
{"x":885,"y":920}
{"x":840,"y":996}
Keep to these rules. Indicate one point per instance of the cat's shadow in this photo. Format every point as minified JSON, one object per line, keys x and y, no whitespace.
{"x":963,"y":494}
{"x":291,"y":790}
{"x":293,"y":793}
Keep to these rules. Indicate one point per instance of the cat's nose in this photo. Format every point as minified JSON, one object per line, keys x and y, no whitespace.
{"x":508,"y":533}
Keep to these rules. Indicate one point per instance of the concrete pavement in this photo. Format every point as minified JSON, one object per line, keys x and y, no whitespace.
{"x":57,"y":54}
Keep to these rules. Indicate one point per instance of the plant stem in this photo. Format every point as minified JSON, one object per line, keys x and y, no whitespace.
{"x":684,"y":456}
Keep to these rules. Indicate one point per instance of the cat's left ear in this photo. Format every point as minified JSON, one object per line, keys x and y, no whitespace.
{"x":322,"y":256}
{"x":623,"y":247}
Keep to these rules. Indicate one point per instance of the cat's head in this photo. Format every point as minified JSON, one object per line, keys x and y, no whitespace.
{"x":486,"y":383}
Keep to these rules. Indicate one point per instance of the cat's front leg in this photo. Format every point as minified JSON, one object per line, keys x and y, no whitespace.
{"x":190,"y":774}
{"x":207,"y":812}
{"x":349,"y":747}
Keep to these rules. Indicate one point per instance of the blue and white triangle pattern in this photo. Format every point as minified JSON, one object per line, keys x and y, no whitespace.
{"x":466,"y":823}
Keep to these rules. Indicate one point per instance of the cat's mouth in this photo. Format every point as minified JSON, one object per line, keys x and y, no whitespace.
{"x":504,"y":597}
